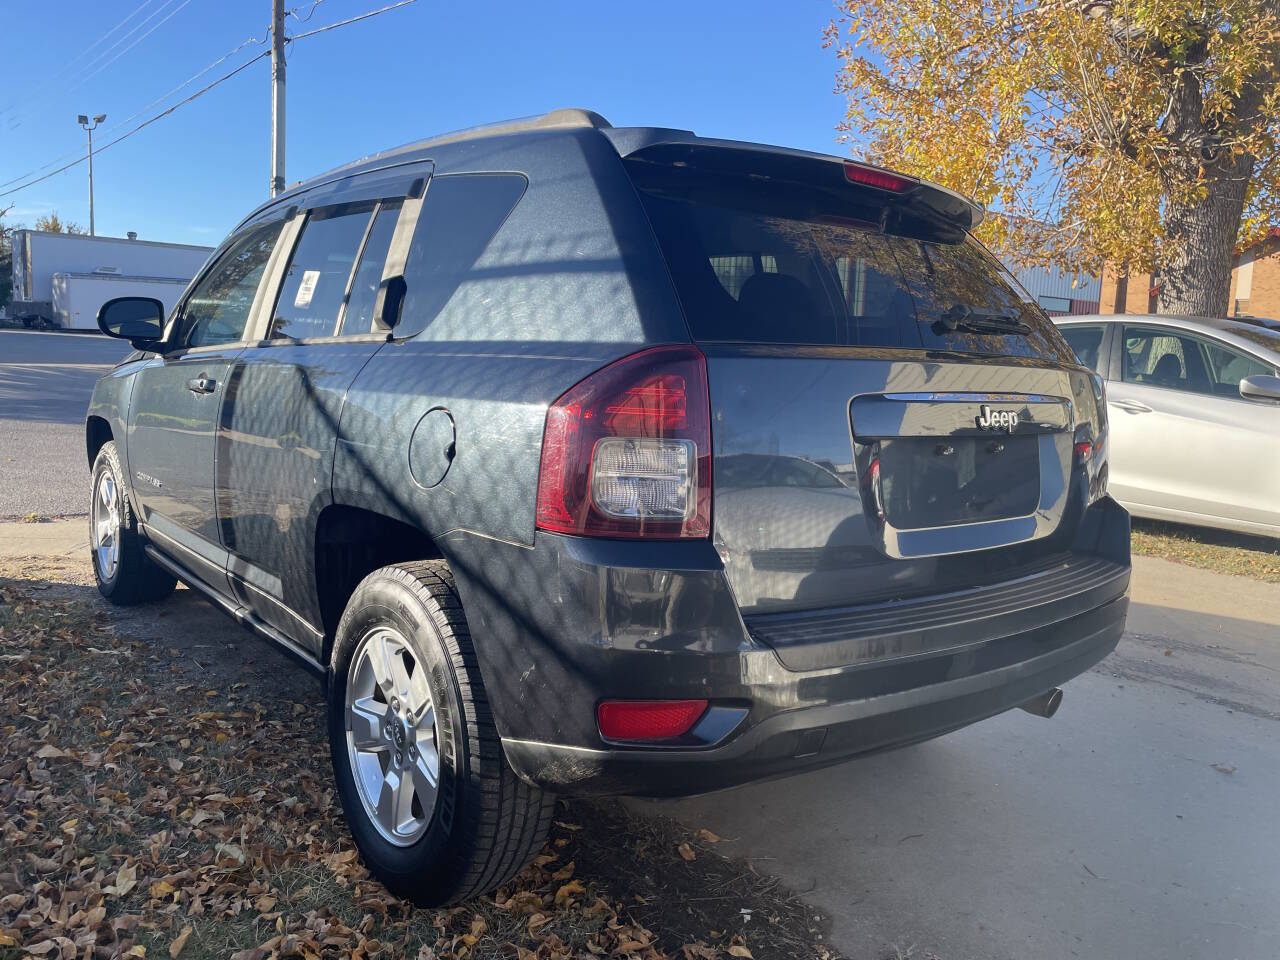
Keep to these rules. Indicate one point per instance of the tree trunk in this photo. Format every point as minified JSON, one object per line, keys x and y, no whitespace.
{"x":1197,"y":278}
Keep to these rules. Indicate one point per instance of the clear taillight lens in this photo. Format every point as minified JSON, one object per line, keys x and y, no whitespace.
{"x":645,"y":479}
{"x":627,"y":452}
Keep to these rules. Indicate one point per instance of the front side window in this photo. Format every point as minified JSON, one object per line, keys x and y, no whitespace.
{"x":1161,"y":358}
{"x":1181,"y":361}
{"x":319,"y":271}
{"x":217,"y":311}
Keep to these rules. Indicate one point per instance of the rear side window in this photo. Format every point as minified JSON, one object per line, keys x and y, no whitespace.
{"x":460,"y":215}
{"x":358,"y":317}
{"x":1085,"y":342}
{"x":321,"y":266}
{"x":763,"y":261}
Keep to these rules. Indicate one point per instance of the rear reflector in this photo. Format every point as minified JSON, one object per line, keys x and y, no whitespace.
{"x":873,"y":177}
{"x":648,"y":719}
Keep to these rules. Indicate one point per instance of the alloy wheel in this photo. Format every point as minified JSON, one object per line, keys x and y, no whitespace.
{"x":106,"y":526}
{"x":392,"y":736}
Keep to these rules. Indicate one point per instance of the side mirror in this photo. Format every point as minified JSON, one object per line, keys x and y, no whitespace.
{"x":140,"y":320}
{"x":1260,"y":387}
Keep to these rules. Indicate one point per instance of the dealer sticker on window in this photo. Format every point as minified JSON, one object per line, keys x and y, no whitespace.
{"x":307,"y":288}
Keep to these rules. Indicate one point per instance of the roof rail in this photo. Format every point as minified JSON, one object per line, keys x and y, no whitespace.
{"x":564,"y":118}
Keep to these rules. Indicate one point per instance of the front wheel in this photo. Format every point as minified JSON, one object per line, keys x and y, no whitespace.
{"x":121,"y":567}
{"x":436,"y":811}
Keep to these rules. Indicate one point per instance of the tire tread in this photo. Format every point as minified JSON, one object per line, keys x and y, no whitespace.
{"x":506,"y":820}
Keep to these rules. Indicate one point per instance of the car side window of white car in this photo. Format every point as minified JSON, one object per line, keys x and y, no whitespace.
{"x":1175,"y":360}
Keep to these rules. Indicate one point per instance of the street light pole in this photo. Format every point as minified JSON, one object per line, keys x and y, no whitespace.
{"x":89,"y":127}
{"x":277,"y":97}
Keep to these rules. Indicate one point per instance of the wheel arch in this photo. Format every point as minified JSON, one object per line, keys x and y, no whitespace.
{"x":97,"y":434}
{"x":350,"y":543}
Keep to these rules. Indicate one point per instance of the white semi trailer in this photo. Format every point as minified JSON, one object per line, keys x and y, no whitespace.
{"x":61,"y":279}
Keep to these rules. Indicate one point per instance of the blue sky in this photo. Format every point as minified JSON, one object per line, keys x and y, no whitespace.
{"x":749,"y":69}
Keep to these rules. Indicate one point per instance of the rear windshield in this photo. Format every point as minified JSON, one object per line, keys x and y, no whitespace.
{"x":763,"y":261}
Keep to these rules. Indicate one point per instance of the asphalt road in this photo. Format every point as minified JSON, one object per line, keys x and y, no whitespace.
{"x":46,"y":380}
{"x":1141,"y":822}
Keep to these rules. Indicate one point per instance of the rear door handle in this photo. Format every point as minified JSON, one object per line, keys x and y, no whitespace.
{"x":1131,"y":406}
{"x":202,"y":384}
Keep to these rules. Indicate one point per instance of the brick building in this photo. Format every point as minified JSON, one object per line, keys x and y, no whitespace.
{"x":1255,"y":284}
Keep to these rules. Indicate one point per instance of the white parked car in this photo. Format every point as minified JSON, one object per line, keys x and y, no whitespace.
{"x":1194,"y":412}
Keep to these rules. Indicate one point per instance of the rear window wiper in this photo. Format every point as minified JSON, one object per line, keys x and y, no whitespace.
{"x":963,"y":318}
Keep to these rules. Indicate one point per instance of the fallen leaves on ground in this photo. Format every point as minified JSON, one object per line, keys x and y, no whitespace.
{"x":146,"y":808}
{"x":1221,"y":551}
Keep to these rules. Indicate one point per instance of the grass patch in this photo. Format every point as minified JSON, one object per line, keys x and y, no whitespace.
{"x":1221,"y":551}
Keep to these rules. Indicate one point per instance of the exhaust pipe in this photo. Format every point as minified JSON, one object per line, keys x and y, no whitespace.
{"x":1045,"y":705}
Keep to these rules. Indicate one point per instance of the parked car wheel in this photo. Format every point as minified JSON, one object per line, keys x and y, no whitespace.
{"x":124,"y":572}
{"x":436,"y":811}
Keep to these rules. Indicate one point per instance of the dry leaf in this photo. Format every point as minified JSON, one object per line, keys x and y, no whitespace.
{"x":126,"y":879}
{"x":180,"y":941}
{"x":686,"y":852}
{"x":565,"y":893}
{"x":707,"y":836}
{"x":48,"y":752}
{"x":740,"y":951}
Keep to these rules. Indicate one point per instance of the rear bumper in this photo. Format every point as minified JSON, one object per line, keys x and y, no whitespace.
{"x":807,"y":738}
{"x":570,"y":622}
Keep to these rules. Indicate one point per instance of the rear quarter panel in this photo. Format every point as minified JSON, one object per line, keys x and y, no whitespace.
{"x":572,"y":281}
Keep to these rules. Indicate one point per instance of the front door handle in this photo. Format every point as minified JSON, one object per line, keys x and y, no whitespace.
{"x":1131,"y":406}
{"x":202,"y":384}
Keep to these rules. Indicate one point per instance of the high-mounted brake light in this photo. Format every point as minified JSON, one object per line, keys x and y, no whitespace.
{"x":648,"y":719}
{"x":627,"y":452}
{"x":873,"y":177}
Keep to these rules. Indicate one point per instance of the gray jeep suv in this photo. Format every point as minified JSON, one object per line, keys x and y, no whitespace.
{"x":589,"y":460}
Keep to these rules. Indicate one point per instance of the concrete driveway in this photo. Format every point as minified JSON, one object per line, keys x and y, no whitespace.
{"x":1140,"y":822}
{"x":46,"y":380}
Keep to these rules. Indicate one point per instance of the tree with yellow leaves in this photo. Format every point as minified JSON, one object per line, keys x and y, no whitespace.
{"x":1143,"y":132}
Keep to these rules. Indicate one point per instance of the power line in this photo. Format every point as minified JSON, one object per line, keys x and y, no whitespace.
{"x":343,"y":23}
{"x":146,"y":123}
{"x":294,"y":12}
{"x":140,"y":111}
{"x":112,"y":53}
{"x":74,"y":63}
{"x":201,"y":92}
{"x":97,"y":70}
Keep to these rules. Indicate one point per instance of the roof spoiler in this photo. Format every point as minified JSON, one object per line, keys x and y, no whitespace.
{"x":941,"y":202}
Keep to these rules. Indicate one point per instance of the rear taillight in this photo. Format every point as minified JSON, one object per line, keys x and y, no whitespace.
{"x":627,"y":452}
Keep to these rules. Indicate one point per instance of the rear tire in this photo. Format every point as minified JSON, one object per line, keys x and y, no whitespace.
{"x":424,"y":713}
{"x":121,"y":567}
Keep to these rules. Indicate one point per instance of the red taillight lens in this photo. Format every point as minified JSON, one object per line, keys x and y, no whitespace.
{"x":874,"y":177}
{"x":648,"y":719}
{"x":627,"y":452}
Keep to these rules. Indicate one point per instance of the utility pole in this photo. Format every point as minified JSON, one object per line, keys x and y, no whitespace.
{"x":84,"y":122}
{"x":277,"y":96}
